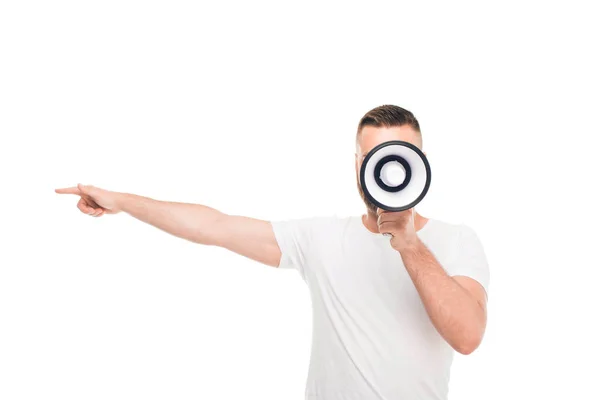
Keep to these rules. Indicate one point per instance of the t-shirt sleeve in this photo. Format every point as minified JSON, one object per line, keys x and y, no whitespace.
{"x":295,"y":238}
{"x":471,"y":260}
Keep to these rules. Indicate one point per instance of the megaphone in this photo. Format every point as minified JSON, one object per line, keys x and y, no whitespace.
{"x":395,"y":175}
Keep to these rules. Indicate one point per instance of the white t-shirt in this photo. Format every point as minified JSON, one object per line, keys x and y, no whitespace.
{"x":372,"y":338}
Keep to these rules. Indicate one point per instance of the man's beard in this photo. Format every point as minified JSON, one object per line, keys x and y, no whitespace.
{"x":370,"y":206}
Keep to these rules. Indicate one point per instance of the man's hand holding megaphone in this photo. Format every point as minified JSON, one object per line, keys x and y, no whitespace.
{"x":399,"y":226}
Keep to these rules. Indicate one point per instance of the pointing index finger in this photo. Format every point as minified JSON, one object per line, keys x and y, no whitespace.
{"x":69,"y":190}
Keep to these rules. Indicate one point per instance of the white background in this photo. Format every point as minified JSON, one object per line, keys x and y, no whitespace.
{"x":251,"y":108}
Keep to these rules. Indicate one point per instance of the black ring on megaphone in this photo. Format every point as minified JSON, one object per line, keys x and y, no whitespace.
{"x":379,"y":167}
{"x":390,"y":143}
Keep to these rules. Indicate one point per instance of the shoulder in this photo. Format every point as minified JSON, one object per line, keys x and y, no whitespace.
{"x":464,"y":253}
{"x":315,"y":226}
{"x":449,"y":237}
{"x":330,"y":224}
{"x":449,"y":228}
{"x":442,"y":229}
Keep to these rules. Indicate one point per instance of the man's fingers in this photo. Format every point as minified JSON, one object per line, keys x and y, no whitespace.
{"x":394,"y":214}
{"x":98,"y":212}
{"x":69,"y":190}
{"x":86,"y":204}
{"x":80,"y":189}
{"x":381,"y":211}
{"x":84,"y":207}
{"x":386,"y":227}
{"x":81,"y":204}
{"x":389,"y":216}
{"x":90,"y":202}
{"x":384,"y":216}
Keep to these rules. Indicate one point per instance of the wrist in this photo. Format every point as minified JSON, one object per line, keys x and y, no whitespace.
{"x":407,"y":244}
{"x":122,"y":200}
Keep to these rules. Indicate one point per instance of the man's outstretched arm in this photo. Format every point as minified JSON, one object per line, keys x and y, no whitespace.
{"x":249,"y":237}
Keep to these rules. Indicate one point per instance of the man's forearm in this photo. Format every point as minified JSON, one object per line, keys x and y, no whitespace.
{"x":193,"y":222}
{"x":453,"y":311}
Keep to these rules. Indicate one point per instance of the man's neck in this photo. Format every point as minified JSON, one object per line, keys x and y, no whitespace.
{"x":369,"y":220}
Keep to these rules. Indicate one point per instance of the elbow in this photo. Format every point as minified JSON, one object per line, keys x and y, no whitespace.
{"x":470,"y":338}
{"x":213,"y":232}
{"x":468,"y":344}
{"x":466,"y":348}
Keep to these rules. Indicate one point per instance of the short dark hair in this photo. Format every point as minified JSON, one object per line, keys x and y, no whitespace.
{"x":388,"y":115}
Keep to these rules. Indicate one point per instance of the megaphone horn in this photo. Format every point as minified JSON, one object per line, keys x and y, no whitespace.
{"x":395,"y":175}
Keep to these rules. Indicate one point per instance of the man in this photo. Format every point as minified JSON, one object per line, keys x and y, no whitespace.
{"x":388,"y":311}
